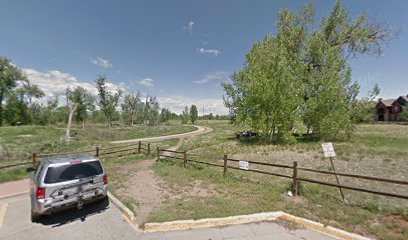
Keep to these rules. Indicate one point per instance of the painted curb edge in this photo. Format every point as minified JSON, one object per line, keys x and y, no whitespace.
{"x":129,"y":215}
{"x":253,"y":218}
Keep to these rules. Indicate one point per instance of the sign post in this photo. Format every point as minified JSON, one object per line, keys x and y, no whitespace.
{"x":329,"y":153}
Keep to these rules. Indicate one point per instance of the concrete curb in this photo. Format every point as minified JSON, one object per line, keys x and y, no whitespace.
{"x":129,"y":215}
{"x":210,"y":222}
{"x":253,"y":218}
{"x":318,"y":227}
{"x":13,"y":195}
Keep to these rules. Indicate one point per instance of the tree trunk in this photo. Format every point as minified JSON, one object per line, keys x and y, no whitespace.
{"x":72,"y":109}
{"x":83,"y":124}
{"x":110,"y":122}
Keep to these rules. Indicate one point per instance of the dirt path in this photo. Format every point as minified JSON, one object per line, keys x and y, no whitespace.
{"x":149,"y":190}
{"x":200,"y":130}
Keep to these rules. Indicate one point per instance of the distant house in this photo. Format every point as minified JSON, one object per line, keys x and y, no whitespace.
{"x":388,"y":109}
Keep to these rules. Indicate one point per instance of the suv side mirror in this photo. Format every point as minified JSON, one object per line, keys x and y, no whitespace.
{"x":30,"y":169}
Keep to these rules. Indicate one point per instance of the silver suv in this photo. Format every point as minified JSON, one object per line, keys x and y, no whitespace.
{"x":62,"y":182}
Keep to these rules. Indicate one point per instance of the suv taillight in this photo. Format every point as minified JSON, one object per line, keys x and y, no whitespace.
{"x":105,"y":179}
{"x":40,"y":193}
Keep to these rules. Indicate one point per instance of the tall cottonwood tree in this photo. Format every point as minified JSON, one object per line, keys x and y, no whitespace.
{"x":108,"y":101}
{"x":85,"y":102}
{"x":185,"y":115}
{"x":302,"y":74}
{"x":132,"y":108}
{"x":9,"y":76}
{"x":193,"y":113}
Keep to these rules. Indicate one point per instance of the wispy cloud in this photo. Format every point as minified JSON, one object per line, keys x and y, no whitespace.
{"x":213,"y":52}
{"x":177,"y":104}
{"x":147,"y":82}
{"x":216,"y":76}
{"x":189,"y":27}
{"x":101,"y":62}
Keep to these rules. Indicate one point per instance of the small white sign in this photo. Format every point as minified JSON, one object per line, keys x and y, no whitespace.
{"x":328,"y":150}
{"x":244,"y":165}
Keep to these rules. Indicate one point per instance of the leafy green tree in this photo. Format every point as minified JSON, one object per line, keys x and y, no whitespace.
{"x":151,"y":111}
{"x":193,"y":114}
{"x":85,"y":102}
{"x":108,"y":101}
{"x":301,"y":74}
{"x":165,"y":115}
{"x":132,"y":108}
{"x":403,"y":116}
{"x":363,"y":108}
{"x":185,"y":116}
{"x":9,"y":76}
{"x":16,"y":110}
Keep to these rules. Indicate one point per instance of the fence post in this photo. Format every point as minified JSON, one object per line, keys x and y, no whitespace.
{"x":294,"y":177}
{"x":185,"y":158}
{"x":148,"y":149}
{"x":225,"y":163}
{"x":97,"y":151}
{"x":337,"y":178}
{"x":158,"y":156}
{"x":34,"y":159}
{"x":139,"y":147}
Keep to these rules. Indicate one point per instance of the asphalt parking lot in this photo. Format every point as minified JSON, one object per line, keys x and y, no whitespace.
{"x":104,"y":221}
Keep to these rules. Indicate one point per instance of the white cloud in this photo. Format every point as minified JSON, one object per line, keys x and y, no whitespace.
{"x":214,"y":52}
{"x":147,"y":82}
{"x":54,"y":83}
{"x":101,"y":62}
{"x":177,"y":104}
{"x":189,"y":27}
{"x":217,"y":76}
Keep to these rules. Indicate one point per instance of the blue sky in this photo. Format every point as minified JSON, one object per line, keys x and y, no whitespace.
{"x":179,"y":51}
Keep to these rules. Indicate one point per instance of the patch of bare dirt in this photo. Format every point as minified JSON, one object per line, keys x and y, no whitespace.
{"x":149,"y":191}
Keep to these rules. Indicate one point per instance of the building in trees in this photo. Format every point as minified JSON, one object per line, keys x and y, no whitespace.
{"x":389,"y":109}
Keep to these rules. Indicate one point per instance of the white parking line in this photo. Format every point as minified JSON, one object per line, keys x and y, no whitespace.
{"x":3,"y":208}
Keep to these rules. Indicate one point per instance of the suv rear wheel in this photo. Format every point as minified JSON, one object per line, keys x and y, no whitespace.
{"x":35,"y":217}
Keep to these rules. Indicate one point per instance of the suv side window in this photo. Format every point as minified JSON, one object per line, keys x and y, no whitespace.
{"x":38,"y":173}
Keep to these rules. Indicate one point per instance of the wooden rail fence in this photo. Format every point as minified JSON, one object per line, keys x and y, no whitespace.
{"x":294,"y":176}
{"x":35,"y":157}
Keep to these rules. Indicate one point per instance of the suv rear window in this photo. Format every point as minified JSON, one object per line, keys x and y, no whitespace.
{"x":73,"y":171}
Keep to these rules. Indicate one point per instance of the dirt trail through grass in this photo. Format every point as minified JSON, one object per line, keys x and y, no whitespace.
{"x":146,"y":190}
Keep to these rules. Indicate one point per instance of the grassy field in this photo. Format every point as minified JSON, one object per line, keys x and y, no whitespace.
{"x":375,"y":150}
{"x":23,"y":141}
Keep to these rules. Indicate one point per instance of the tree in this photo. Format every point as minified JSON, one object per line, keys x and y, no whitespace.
{"x":151,"y":111}
{"x":85,"y":102}
{"x":165,"y":115}
{"x":185,"y":116}
{"x":302,"y":74}
{"x":9,"y":76}
{"x":16,"y":110}
{"x":193,"y":113}
{"x":132,"y":108}
{"x":108,"y":101}
{"x":51,"y":110}
{"x":363,"y":108}
{"x":403,"y":116}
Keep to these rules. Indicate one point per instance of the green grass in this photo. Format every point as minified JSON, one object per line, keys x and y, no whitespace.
{"x":25,"y":140}
{"x":13,"y":174}
{"x":377,"y":150}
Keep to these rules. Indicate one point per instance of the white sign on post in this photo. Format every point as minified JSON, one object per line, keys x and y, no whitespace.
{"x":244,"y":165}
{"x":328,"y":150}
